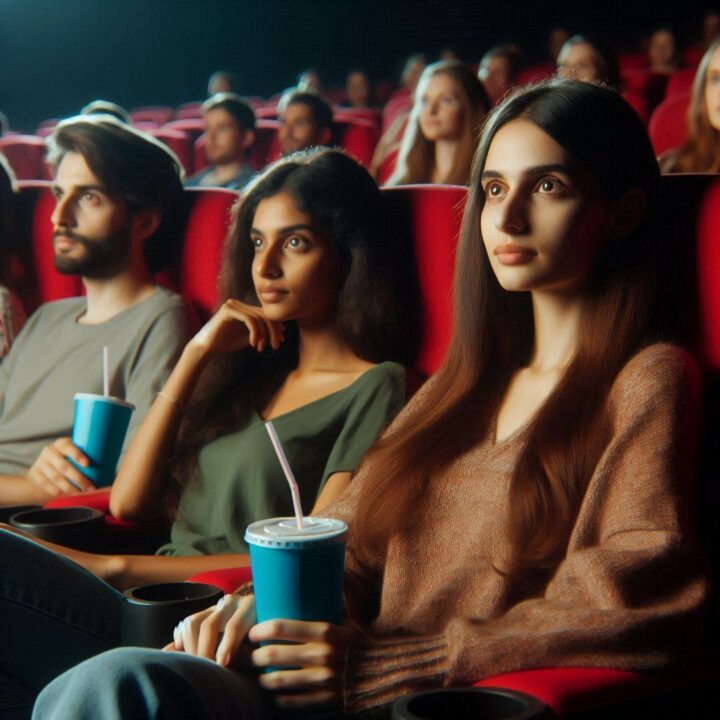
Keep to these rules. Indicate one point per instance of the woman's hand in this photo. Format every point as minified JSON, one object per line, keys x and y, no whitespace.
{"x":317,"y":658}
{"x":55,"y":475}
{"x":218,"y":632}
{"x":235,"y":326}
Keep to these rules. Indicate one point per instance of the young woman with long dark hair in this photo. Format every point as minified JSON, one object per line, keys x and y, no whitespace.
{"x":442,"y":132}
{"x":308,"y":336}
{"x":701,"y":151}
{"x":531,"y":507}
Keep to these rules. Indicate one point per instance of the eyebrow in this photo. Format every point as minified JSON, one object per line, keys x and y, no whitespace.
{"x":530,"y":172}
{"x":83,"y":188}
{"x":288,"y":229}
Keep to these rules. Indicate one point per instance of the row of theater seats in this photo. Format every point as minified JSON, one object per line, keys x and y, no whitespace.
{"x":357,"y":136}
{"x":430,"y":216}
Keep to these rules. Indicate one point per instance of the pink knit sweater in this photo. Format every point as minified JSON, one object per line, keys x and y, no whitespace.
{"x":628,"y":593}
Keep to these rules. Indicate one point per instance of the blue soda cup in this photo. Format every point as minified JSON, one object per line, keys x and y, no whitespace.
{"x":99,"y":430}
{"x":298,"y":574}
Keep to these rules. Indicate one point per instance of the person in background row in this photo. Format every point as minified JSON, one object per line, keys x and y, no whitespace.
{"x":498,"y":71}
{"x":105,"y":107}
{"x":701,"y":151}
{"x":442,"y":133}
{"x":663,"y":61}
{"x":223,"y":81}
{"x":388,"y":145}
{"x":309,"y":81}
{"x":556,"y":39}
{"x":230,"y":132}
{"x":357,"y":89}
{"x":113,"y":185}
{"x":12,"y":313}
{"x":584,"y":58}
{"x":710,"y":28}
{"x":305,"y":121}
{"x":546,"y":471}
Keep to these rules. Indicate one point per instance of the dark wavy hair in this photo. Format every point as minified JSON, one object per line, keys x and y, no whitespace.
{"x":376,"y":310}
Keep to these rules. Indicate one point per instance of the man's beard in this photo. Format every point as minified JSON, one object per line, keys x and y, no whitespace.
{"x":103,"y":258}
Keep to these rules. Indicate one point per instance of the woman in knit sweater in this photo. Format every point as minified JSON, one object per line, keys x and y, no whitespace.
{"x":531,"y":506}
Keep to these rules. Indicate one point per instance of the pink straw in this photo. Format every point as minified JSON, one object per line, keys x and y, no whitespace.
{"x":106,"y":371}
{"x":288,"y":472}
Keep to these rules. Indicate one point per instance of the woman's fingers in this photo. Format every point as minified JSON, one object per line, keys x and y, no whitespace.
{"x":303,"y":655}
{"x":296,"y":631}
{"x":236,"y":627}
{"x":190,"y":630}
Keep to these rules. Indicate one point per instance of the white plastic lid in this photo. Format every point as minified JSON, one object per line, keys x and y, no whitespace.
{"x":284,"y":532}
{"x":113,"y":400}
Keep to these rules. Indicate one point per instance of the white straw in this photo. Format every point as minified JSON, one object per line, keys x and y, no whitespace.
{"x":288,"y":472}
{"x":106,"y":371}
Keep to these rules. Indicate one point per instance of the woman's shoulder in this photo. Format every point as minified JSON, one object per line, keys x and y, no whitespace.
{"x":659,"y":370}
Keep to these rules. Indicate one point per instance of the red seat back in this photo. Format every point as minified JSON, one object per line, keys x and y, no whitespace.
{"x":42,"y":283}
{"x":180,"y":143}
{"x":435,"y":214}
{"x":189,"y":110}
{"x":668,"y":123}
{"x":708,"y":275}
{"x":26,"y":155}
{"x":158,"y":114}
{"x":680,"y":82}
{"x":207,"y":221}
{"x":192,"y":126}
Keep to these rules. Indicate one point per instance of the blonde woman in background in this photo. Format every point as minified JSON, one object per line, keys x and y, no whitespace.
{"x":442,"y":133}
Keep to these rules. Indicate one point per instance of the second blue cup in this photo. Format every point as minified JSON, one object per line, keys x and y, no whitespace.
{"x":99,"y":430}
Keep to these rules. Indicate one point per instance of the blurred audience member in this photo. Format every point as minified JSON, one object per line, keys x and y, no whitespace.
{"x":4,"y":124}
{"x":112,"y":185}
{"x":230,"y":132}
{"x":402,"y":100}
{"x":105,"y":107}
{"x":309,"y":81}
{"x":557,"y":37}
{"x":222,"y":81}
{"x":442,"y":133}
{"x":305,"y":122}
{"x":710,"y":28}
{"x":701,"y":151}
{"x":357,"y":89}
{"x":664,"y":60}
{"x":447,"y":54}
{"x":12,"y":314}
{"x":584,"y":58}
{"x":498,"y":71}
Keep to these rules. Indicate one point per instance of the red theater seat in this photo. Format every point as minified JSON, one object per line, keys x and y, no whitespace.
{"x":680,"y":82}
{"x":188,"y":111}
{"x":192,"y":126}
{"x":357,"y":137}
{"x":668,"y":123}
{"x":180,"y":143}
{"x":535,"y":73}
{"x":26,"y":155}
{"x":157,"y":114}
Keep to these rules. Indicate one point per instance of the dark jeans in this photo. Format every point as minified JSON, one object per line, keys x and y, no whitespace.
{"x":53,"y":613}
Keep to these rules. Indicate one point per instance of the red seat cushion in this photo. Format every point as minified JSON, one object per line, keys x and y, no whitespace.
{"x":228,"y":580}
{"x":26,"y":155}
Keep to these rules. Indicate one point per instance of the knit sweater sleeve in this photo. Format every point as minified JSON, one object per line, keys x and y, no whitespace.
{"x":629,"y":591}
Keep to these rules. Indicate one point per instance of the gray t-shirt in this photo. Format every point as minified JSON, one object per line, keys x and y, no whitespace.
{"x":55,"y":357}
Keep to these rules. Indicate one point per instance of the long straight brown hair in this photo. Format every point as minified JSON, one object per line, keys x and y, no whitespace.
{"x":493,"y":338}
{"x":701,"y":151}
{"x":416,"y":157}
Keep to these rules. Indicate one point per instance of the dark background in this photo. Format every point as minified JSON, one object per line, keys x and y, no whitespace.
{"x":57,"y":55}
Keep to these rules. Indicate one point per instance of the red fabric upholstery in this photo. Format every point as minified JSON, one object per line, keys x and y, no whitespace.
{"x":180,"y":143}
{"x":352,"y":113}
{"x":26,"y":155}
{"x":192,"y":126}
{"x":357,"y":137}
{"x":228,"y":580}
{"x":36,"y":234}
{"x":203,"y":242}
{"x":668,"y":123}
{"x":387,"y":167}
{"x":189,"y":111}
{"x":157,"y":114}
{"x":534,"y":73}
{"x":266,"y":112}
{"x":399,"y":102}
{"x":435,"y":213}
{"x":680,"y":82}
{"x":632,"y":61}
{"x":708,"y":269}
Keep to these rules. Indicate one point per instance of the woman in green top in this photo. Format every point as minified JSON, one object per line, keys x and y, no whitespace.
{"x":306,"y":339}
